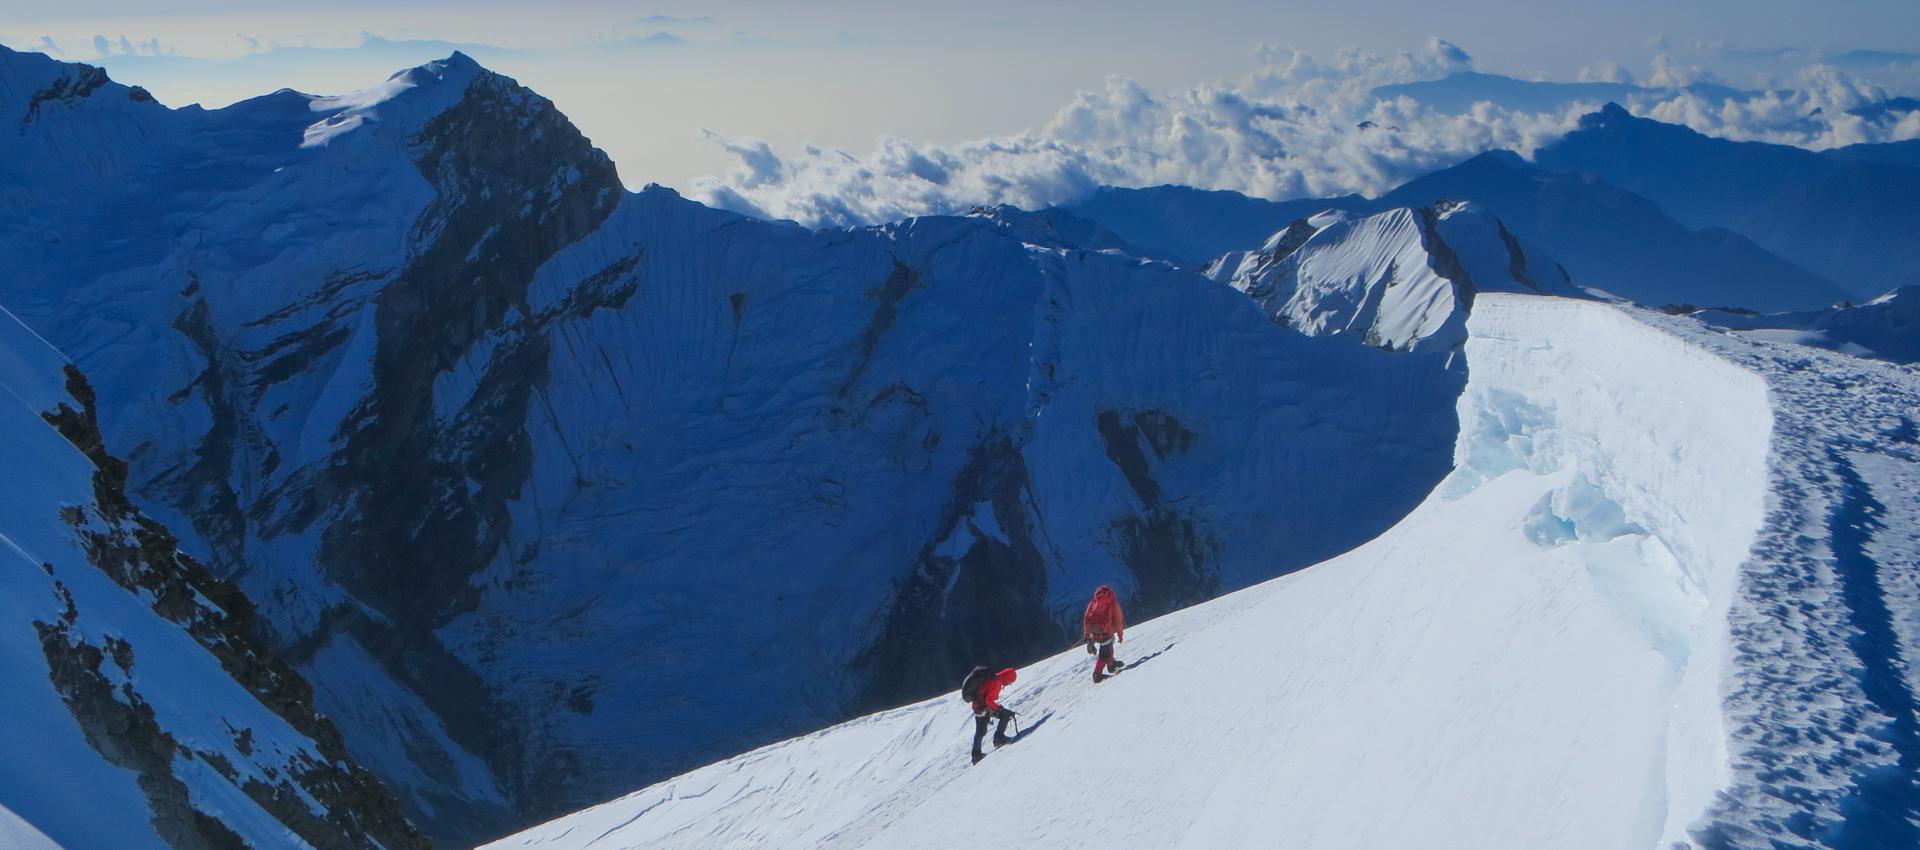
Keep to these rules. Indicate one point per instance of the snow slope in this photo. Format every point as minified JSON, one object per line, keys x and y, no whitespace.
{"x":1534,"y":657}
{"x":138,"y":712}
{"x":1886,"y":328}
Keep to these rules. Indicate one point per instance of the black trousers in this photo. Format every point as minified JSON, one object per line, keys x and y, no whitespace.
{"x":980,"y":716}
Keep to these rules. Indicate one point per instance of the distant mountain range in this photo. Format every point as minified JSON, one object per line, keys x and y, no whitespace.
{"x":1456,"y":93}
{"x":1849,"y":220}
{"x":1652,"y":212}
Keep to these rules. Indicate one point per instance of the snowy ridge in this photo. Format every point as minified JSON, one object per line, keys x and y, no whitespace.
{"x":1402,"y":280}
{"x":1823,"y":728}
{"x":1534,"y":657}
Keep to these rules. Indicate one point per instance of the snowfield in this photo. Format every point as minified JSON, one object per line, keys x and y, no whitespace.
{"x":1620,"y":622}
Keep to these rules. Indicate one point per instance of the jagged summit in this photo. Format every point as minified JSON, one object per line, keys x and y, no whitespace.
{"x":33,"y":85}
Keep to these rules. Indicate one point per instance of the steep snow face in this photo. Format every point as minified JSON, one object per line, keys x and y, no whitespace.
{"x":1400,"y":280}
{"x":1533,"y":657}
{"x":139,"y":712}
{"x":553,"y":490}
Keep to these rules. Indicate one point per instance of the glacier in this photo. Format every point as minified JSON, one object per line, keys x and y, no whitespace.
{"x":1622,"y":620}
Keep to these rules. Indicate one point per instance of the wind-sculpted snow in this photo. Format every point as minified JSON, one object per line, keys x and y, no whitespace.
{"x":1402,"y":280}
{"x":1823,"y":746}
{"x":1534,"y":657}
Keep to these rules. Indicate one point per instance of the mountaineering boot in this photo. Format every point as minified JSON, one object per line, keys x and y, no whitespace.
{"x":1116,"y":664}
{"x":1098,"y":677}
{"x":977,"y":756}
{"x":1001,"y":740}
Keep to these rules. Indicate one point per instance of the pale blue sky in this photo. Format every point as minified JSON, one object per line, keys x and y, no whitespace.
{"x":843,"y":72}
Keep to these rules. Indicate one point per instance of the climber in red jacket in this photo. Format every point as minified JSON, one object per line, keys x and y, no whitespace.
{"x":1103,"y":625}
{"x":982,"y":691}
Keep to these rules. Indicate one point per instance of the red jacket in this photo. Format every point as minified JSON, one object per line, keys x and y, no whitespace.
{"x":1104,"y":616}
{"x":990,"y":692}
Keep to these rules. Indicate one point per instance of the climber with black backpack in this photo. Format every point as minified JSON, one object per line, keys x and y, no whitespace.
{"x":981,"y":690}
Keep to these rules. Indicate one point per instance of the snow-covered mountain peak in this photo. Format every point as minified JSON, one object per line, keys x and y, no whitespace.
{"x":407,"y":98}
{"x":1402,"y":279}
{"x":34,"y":85}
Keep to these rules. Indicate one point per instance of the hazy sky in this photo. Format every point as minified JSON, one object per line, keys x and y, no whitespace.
{"x":645,"y":79}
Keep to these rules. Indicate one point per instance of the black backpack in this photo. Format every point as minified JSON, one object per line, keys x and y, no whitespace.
{"x":970,"y":686}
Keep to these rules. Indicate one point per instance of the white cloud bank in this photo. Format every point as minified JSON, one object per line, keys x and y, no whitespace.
{"x":1296,"y":127}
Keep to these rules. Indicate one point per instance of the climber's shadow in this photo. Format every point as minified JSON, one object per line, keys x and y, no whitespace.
{"x":1135,"y":664}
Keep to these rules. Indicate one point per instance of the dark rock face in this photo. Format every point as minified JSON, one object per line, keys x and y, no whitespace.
{"x":987,"y":603}
{"x":83,"y":81}
{"x":1441,"y":257}
{"x":126,"y":734}
{"x":143,"y":557}
{"x":418,"y":532}
{"x":476,"y":251}
{"x":1167,"y":547}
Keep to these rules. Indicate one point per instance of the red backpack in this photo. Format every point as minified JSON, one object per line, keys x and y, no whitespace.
{"x":1099,"y":619}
